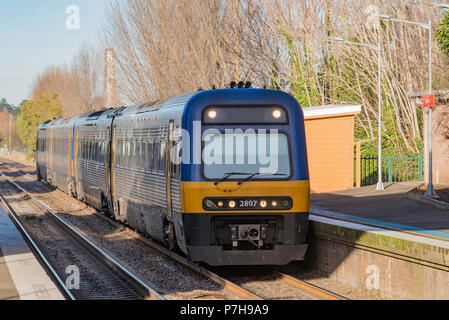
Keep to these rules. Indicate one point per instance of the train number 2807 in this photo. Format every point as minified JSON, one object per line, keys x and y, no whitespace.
{"x":248,"y":203}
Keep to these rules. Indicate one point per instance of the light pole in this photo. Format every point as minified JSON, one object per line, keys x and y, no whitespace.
{"x":430,"y":190}
{"x":380,"y":185}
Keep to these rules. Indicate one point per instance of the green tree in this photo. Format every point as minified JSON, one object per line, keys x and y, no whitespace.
{"x":442,"y":34}
{"x":302,"y":86}
{"x":34,"y":112}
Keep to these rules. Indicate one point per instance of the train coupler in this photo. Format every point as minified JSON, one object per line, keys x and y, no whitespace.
{"x":253,"y":233}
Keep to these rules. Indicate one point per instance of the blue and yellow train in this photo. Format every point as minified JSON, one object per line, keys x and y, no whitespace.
{"x":222,"y":175}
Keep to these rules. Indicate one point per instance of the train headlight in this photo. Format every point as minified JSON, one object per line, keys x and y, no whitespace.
{"x":263,"y":203}
{"x":277,"y":114}
{"x":231,"y":204}
{"x":212,"y":114}
{"x":274,"y":203}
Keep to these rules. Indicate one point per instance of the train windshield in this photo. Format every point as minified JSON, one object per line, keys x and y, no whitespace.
{"x":261,"y":155}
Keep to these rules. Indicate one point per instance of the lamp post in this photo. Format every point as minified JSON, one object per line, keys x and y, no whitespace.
{"x":430,"y":190}
{"x":380,"y":185}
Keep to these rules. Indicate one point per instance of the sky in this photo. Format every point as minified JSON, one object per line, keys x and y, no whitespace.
{"x":34,"y":34}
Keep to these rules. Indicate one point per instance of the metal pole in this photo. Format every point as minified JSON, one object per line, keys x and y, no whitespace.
{"x":380,"y":185}
{"x":430,"y":190}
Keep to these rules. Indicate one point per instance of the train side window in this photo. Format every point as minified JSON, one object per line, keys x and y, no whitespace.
{"x":92,"y":151}
{"x":128,"y":154}
{"x":136,"y":155}
{"x":125,"y":153}
{"x":150,"y":156}
{"x":155,"y":156}
{"x":122,"y":153}
{"x":102,"y":153}
{"x":89,"y":150}
{"x":97,"y":151}
{"x":79,"y":149}
{"x":93,"y":147}
{"x":133,"y":154}
{"x":138,"y":158}
{"x":144,"y":159}
{"x":163,"y":157}
{"x":117,"y":150}
{"x":176,"y":153}
{"x":118,"y":153}
{"x":84,"y":148}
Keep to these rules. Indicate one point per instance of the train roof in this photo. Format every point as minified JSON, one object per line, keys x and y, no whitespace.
{"x":176,"y":107}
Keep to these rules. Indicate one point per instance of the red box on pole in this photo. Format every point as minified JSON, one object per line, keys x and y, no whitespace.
{"x":428,"y":101}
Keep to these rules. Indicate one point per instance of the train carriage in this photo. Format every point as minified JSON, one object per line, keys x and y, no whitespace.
{"x":179,"y":171}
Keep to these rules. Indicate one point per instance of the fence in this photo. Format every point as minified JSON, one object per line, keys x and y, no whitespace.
{"x":394,"y":169}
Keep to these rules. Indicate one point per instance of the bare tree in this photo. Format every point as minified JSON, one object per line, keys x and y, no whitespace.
{"x":78,"y":86}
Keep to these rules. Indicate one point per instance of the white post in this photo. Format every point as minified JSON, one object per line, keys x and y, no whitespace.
{"x":380,"y":185}
{"x":430,"y":192}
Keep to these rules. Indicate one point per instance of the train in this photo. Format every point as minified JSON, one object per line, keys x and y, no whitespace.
{"x":220,"y":175}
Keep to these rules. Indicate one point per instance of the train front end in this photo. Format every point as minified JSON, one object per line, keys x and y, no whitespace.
{"x":245,"y":180}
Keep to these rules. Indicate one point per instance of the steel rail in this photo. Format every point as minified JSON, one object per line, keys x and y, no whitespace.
{"x":314,"y":289}
{"x":152,"y":294}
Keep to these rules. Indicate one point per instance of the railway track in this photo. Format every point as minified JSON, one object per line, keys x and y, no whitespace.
{"x":309,"y":287}
{"x":287,"y":283}
{"x":113,"y":281}
{"x":237,"y":291}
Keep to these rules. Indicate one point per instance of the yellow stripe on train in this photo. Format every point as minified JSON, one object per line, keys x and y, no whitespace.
{"x":193,"y":193}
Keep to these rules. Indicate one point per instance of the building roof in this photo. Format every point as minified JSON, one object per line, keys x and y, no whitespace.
{"x":331,"y":110}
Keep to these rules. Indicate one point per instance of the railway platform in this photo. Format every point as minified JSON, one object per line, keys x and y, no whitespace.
{"x":21,"y":275}
{"x":388,"y":208}
{"x":382,"y":241}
